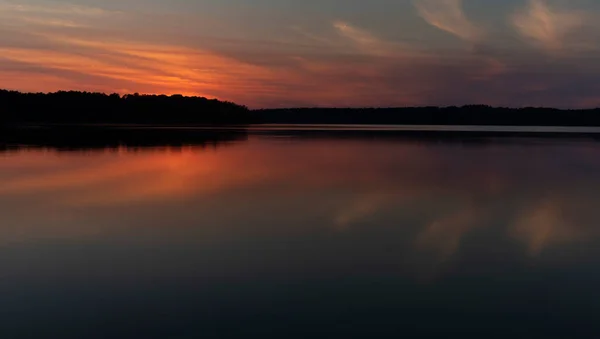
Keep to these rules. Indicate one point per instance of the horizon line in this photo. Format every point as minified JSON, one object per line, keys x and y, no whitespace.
{"x":481,"y":105}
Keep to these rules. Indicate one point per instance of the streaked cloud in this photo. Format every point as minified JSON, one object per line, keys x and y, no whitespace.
{"x":449,"y":16}
{"x":53,"y":8}
{"x":549,"y":27}
{"x":52,"y":22}
{"x":317,"y":61}
{"x":363,"y":40}
{"x":138,"y":67}
{"x":312,"y":36}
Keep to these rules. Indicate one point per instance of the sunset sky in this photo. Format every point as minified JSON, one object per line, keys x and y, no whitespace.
{"x":281,"y":53}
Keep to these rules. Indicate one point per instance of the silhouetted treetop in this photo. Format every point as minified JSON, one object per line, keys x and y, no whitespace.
{"x":86,"y":107}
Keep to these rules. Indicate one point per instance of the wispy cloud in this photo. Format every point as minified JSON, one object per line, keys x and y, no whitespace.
{"x":52,"y":22}
{"x":52,"y":15}
{"x":49,"y":45}
{"x":129,"y":65}
{"x":53,"y":9}
{"x":364,"y":40}
{"x":311,"y":36}
{"x":449,"y":16}
{"x":547,"y":26}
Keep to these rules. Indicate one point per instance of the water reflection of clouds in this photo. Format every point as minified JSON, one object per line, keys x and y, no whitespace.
{"x":538,"y":193}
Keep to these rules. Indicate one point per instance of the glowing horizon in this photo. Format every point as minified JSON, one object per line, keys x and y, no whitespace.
{"x":290,"y":53}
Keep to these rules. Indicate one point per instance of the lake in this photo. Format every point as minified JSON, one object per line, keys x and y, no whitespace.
{"x":277,"y":234}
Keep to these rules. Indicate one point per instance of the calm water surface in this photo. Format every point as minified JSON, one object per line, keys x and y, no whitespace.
{"x":286,"y":237}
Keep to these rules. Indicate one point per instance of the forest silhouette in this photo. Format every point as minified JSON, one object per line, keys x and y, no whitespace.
{"x":99,"y":108}
{"x":73,"y":107}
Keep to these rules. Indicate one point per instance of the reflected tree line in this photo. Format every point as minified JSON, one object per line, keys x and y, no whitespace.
{"x":84,"y":138}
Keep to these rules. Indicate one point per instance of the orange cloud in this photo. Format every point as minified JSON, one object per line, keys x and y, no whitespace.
{"x":140,"y":67}
{"x":62,"y":47}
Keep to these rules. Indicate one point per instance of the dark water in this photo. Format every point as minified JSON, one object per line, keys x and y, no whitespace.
{"x":275,"y":236}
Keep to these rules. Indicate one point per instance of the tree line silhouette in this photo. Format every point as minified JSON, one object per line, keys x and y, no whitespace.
{"x":73,"y":107}
{"x":84,"y":107}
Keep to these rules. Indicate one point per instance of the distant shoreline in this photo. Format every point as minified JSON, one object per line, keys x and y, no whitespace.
{"x":99,"y":109}
{"x":473,"y":115}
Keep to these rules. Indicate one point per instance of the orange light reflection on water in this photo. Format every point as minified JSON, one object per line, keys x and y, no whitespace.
{"x":352,"y":183}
